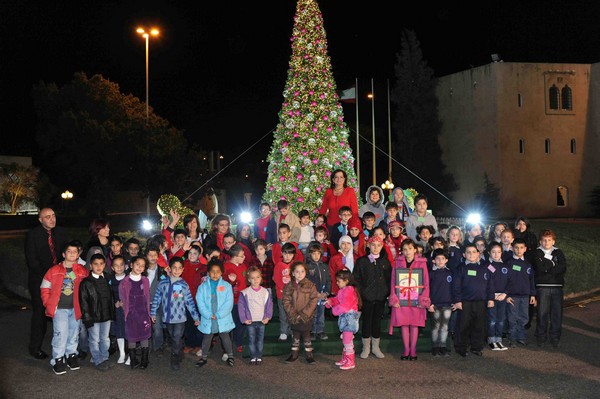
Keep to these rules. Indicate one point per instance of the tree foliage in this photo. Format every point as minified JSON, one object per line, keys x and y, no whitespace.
{"x":416,"y":122}
{"x":18,"y":184}
{"x":94,"y":139}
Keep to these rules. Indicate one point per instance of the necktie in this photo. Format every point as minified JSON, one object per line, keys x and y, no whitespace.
{"x":51,"y":246}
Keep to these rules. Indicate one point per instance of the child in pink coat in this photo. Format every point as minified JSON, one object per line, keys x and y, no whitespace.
{"x":411,"y":312}
{"x":345,"y":305}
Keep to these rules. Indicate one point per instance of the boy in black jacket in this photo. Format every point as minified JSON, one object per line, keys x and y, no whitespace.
{"x":473,"y":293}
{"x":550,"y":266}
{"x":97,"y":310}
{"x":318,"y":273}
{"x":520,"y":290}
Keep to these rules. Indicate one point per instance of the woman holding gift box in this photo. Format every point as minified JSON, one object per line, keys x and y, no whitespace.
{"x":409,"y":297}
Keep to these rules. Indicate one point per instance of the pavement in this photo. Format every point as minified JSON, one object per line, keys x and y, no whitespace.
{"x":572,"y":370}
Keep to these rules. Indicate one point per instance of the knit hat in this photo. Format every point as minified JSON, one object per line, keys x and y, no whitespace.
{"x":345,"y":239}
{"x":394,"y":224}
{"x":354,"y":222}
{"x":374,"y":239}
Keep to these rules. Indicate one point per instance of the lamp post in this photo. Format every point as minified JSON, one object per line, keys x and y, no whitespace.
{"x":388,"y":185}
{"x":372,"y":97}
{"x":146,"y":35}
{"x":66,"y":196}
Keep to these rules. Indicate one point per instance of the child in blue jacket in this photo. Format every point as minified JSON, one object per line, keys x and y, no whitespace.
{"x":174,"y":295}
{"x":215,"y":303}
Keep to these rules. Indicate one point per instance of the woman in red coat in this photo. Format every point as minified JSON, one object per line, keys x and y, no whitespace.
{"x":338,"y":195}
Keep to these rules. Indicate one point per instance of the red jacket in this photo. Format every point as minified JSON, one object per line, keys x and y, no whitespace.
{"x":52,"y":285}
{"x":332,"y":203}
{"x":278,"y":257}
{"x":240,"y":282}
{"x":281,"y":276}
{"x":193,"y":273}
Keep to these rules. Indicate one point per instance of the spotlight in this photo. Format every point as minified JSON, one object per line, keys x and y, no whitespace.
{"x":474,"y":218}
{"x":146,"y":225}
{"x":245,"y":217}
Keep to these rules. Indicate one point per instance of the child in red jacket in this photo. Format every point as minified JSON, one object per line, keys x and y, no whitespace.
{"x":60,"y":296}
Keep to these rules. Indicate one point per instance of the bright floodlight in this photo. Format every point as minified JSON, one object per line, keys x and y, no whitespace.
{"x":146,"y":225}
{"x":246,"y":217}
{"x":474,"y":218}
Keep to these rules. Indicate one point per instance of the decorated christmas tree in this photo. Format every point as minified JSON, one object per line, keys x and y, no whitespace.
{"x":311,"y":138}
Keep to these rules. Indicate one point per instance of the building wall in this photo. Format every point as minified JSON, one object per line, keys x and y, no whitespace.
{"x":491,"y":108}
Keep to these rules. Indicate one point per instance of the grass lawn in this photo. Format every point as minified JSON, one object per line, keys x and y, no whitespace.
{"x":577,"y":238}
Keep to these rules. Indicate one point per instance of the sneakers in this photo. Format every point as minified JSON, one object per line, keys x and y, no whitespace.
{"x":224,"y":357}
{"x":282,"y":337}
{"x":59,"y":366}
{"x":444,"y":351}
{"x":199,"y":353}
{"x":258,"y":361}
{"x":201,"y":362}
{"x":493,"y":346}
{"x":253,"y":361}
{"x":500,"y":347}
{"x":104,"y":366}
{"x":435,"y":352}
{"x":230,"y":361}
{"x":73,"y":362}
{"x":82,"y":355}
{"x":521,"y":342}
{"x":322,"y":336}
{"x":313,"y":337}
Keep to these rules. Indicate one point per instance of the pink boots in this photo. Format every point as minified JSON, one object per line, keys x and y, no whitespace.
{"x":343,"y":360}
{"x":349,"y":364}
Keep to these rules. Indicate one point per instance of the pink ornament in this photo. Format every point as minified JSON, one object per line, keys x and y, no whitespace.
{"x":313,"y":104}
{"x":287,"y":159}
{"x":320,"y":150}
{"x":305,"y":153}
{"x":300,"y":199}
{"x":315,"y":161}
{"x":296,"y":94}
{"x":319,"y":189}
{"x":299,"y":177}
{"x":295,"y":135}
{"x":282,"y":178}
{"x":285,"y":144}
{"x":295,"y":189}
{"x":315,"y":129}
{"x":271,"y":188}
{"x":322,"y":96}
{"x":325,"y":118}
{"x":329,"y":129}
{"x":311,"y":92}
{"x":328,"y":173}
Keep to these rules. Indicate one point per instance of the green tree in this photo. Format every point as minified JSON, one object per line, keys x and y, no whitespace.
{"x":18,"y":184}
{"x":416,"y":122}
{"x":95,"y":139}
{"x":311,"y":138}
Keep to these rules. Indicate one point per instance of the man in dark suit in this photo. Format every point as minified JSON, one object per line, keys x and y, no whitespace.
{"x":43,"y":245}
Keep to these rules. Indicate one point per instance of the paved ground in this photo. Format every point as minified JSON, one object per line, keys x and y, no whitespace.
{"x":571,"y":371}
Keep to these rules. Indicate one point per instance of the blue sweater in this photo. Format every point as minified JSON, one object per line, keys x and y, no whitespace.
{"x":455,"y":258}
{"x":473,"y":282}
{"x":499,"y":272}
{"x":175,"y":297}
{"x":520,"y":278}
{"x":440,"y":287}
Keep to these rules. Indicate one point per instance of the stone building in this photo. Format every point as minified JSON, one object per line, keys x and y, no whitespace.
{"x":532,"y":128}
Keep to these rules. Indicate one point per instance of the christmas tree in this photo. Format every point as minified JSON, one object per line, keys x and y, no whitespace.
{"x":311,"y":138}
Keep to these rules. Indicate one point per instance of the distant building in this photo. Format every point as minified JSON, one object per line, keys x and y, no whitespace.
{"x":533,"y":128}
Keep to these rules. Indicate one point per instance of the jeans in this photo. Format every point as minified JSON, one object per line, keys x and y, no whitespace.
{"x":496,"y":317}
{"x":319,"y":320}
{"x":99,"y":341}
{"x":193,"y":336}
{"x":284,"y":327}
{"x":439,"y":331}
{"x":238,"y":332}
{"x":66,"y":334}
{"x":176,"y":333}
{"x":256,"y":336}
{"x":549,"y":312}
{"x":518,"y":316}
{"x":157,"y":331}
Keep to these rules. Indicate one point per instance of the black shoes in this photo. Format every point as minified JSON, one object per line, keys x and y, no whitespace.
{"x":39,"y":355}
{"x":59,"y":366}
{"x":293,"y":356}
{"x":322,"y":336}
{"x":412,"y":358}
{"x":476,"y":352}
{"x":230,"y":361}
{"x":403,"y":357}
{"x":444,"y":351}
{"x":521,"y":342}
{"x":435,"y":352}
{"x":201,"y":362}
{"x":310,"y":359}
{"x":82,"y":355}
{"x":104,"y":366}
{"x":73,"y":362}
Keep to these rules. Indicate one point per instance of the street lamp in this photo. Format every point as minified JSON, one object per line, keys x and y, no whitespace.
{"x":388,"y":185}
{"x":146,"y":35}
{"x":66,"y":196}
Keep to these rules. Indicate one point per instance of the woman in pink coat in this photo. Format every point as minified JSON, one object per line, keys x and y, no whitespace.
{"x":409,"y":298}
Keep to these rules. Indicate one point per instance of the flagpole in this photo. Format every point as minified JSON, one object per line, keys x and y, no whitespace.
{"x":373,"y":128}
{"x":357,"y":138}
{"x":389,"y":134}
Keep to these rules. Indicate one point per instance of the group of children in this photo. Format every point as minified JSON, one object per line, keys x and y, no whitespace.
{"x":191,"y":287}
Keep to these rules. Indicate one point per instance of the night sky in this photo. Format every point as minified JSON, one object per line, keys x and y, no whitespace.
{"x":219,"y":69}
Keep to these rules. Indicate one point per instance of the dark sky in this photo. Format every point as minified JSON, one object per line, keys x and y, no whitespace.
{"x":219,"y":69}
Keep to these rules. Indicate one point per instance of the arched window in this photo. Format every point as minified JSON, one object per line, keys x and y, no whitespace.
{"x":554,"y":97}
{"x":562,"y":196}
{"x":547,"y":146}
{"x":567,"y":98}
{"x":521,"y":146}
{"x":573,"y":146}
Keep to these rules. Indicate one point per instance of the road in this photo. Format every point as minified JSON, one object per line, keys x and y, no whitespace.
{"x":571,"y":371}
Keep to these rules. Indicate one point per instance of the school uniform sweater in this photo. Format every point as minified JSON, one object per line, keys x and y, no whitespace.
{"x":440,"y":286}
{"x":499,"y":272}
{"x":472,"y":282}
{"x":520,"y":278}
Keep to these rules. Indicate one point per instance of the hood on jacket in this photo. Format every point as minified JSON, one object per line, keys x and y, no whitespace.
{"x":404,"y":200}
{"x":368,"y":194}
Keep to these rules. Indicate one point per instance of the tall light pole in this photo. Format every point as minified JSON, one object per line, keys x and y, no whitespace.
{"x":372,"y":97}
{"x":146,"y":35}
